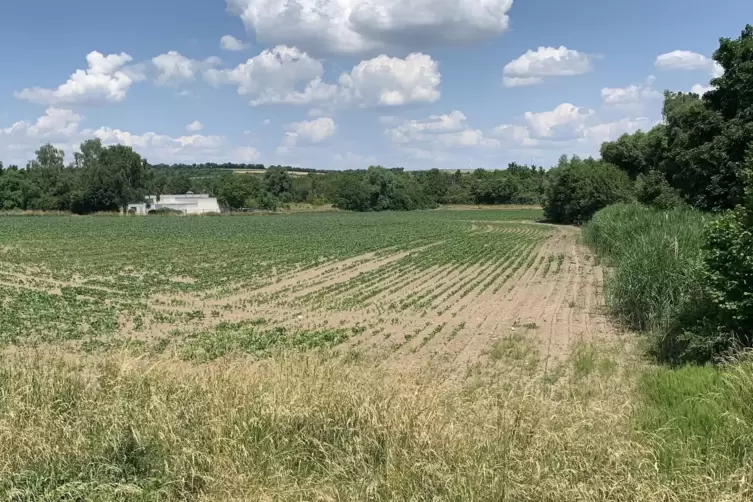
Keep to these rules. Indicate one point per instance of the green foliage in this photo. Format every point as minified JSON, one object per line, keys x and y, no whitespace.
{"x":655,"y":283}
{"x":235,"y":190}
{"x":700,"y":149}
{"x":698,"y":419}
{"x":165,"y":211}
{"x":379,"y":189}
{"x":729,"y":273}
{"x":577,"y":189}
{"x":278,"y":182}
{"x":653,"y":190}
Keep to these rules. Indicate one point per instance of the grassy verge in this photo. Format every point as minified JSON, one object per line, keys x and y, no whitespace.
{"x":698,"y":421}
{"x":311,"y":428}
{"x":654,"y":278}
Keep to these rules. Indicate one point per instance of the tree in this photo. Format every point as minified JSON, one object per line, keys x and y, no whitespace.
{"x":236,"y":190}
{"x":110,"y":178}
{"x":701,"y":147}
{"x":652,"y":189}
{"x":728,"y":261}
{"x":577,"y":189}
{"x":277,"y":181}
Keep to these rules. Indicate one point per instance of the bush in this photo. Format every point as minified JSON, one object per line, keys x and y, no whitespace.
{"x":729,"y":275}
{"x":379,"y":189}
{"x":165,"y":211}
{"x":653,"y":190}
{"x":656,"y":279}
{"x":577,"y":189}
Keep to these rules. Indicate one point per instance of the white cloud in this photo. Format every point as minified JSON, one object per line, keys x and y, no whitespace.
{"x":440,"y":131}
{"x":688,"y":60}
{"x":55,"y":123}
{"x":195,"y":126}
{"x":387,"y":81}
{"x":358,"y":26}
{"x":311,"y":132}
{"x":154,"y":140}
{"x":534,"y":66}
{"x":629,"y":95}
{"x":287,"y":75}
{"x":272,"y":76}
{"x":514,"y":134}
{"x":701,"y":89}
{"x":609,"y":131}
{"x":245,"y":154}
{"x":173,"y":67}
{"x":164,"y":148}
{"x":564,"y":119}
{"x":230,"y":43}
{"x":107,"y":78}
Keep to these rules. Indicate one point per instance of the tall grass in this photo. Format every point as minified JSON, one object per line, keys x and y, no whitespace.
{"x":312,"y":428}
{"x":699,"y":420}
{"x":655,"y":270}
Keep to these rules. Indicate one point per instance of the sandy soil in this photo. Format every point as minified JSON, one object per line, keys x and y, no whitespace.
{"x":452,"y":313}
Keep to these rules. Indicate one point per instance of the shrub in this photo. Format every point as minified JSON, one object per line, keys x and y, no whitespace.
{"x":165,"y":211}
{"x":729,"y":275}
{"x":577,"y":189}
{"x":653,"y":190}
{"x":379,"y":189}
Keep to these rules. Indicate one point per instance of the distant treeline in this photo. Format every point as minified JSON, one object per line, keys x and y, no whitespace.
{"x":109,"y":178}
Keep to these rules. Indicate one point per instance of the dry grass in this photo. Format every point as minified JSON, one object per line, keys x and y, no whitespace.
{"x":318,"y":427}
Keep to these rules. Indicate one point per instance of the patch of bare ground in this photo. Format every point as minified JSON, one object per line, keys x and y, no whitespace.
{"x":545,"y":295}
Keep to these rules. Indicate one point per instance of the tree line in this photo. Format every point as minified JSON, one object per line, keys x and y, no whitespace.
{"x":109,"y":178}
{"x":698,"y":164}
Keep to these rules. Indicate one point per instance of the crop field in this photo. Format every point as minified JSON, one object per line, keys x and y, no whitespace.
{"x":442,"y":355}
{"x":447,"y":284}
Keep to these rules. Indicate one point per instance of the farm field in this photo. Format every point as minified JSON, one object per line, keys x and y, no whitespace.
{"x":405,"y":288}
{"x":436,"y":355}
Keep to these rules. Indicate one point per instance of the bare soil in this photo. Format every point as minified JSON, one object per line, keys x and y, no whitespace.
{"x":451,"y":313}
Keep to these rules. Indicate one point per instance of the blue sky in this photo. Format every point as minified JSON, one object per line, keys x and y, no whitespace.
{"x":348,"y":83}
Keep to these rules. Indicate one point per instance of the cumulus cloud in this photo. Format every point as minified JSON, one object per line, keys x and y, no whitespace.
{"x":629,"y":95}
{"x":514,"y":134}
{"x":288,"y":75}
{"x":598,"y":133}
{"x":311,"y":131}
{"x":195,"y":126}
{"x":62,"y":128}
{"x":271,"y":76}
{"x":55,"y":123}
{"x":173,"y":67}
{"x":358,"y":26}
{"x":245,"y":154}
{"x":534,"y":66}
{"x":701,"y":89}
{"x":107,"y":79}
{"x":563,"y":120}
{"x":230,"y":43}
{"x":440,"y":131}
{"x":392,"y":81}
{"x":568,"y":126}
{"x":688,"y":60}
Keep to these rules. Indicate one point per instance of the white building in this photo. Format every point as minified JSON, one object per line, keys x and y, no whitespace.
{"x":188,"y":204}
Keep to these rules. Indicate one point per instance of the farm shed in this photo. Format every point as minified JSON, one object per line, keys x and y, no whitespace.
{"x":187,"y":204}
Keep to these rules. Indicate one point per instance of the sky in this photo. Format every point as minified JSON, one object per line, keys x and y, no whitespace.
{"x":344,"y":84}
